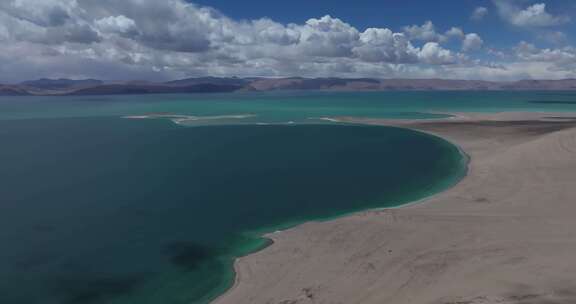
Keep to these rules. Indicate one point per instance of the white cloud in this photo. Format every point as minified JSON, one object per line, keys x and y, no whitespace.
{"x":134,"y":35}
{"x":382,"y":45}
{"x":554,"y":37}
{"x":472,"y":42}
{"x":428,"y":33}
{"x":133,"y":39}
{"x":116,"y":24}
{"x":529,"y":52}
{"x":328,"y":36}
{"x":42,"y":13}
{"x":425,"y":32}
{"x":268,"y":31}
{"x":534,"y":15}
{"x":509,"y":71}
{"x":455,"y":32}
{"x":433,"y":53}
{"x":500,"y":54}
{"x":479,"y":13}
{"x":557,"y":59}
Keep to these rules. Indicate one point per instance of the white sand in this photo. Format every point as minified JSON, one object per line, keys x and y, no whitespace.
{"x":506,"y":234}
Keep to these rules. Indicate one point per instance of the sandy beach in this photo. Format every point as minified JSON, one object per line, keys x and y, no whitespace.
{"x":505,"y":234}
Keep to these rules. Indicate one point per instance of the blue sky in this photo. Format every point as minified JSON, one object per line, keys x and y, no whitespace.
{"x":167,"y":39}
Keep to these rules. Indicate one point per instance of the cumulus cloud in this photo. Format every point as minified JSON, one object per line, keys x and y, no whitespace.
{"x":116,"y":24}
{"x":534,"y":15}
{"x":425,"y":32}
{"x":433,"y":53}
{"x":175,"y":38}
{"x":150,"y":39}
{"x":472,"y":42}
{"x":42,"y":13}
{"x":557,"y":59}
{"x":529,"y":52}
{"x":327,"y":36}
{"x":382,"y":45}
{"x":455,"y":32}
{"x":479,"y":13}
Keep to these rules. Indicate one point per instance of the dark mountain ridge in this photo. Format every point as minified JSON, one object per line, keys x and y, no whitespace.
{"x":59,"y":84}
{"x":235,"y":84}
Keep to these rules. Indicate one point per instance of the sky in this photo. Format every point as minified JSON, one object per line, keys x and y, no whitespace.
{"x":171,"y":39}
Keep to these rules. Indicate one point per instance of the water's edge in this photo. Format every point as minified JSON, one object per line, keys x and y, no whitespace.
{"x":267,"y":241}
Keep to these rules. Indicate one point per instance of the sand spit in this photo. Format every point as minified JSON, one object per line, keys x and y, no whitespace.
{"x":506,"y":234}
{"x":180,"y":119}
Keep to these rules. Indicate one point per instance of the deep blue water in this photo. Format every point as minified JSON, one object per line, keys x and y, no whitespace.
{"x":95,"y":208}
{"x":110,"y":210}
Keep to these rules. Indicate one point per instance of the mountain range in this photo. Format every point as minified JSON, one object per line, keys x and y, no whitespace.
{"x":52,"y":87}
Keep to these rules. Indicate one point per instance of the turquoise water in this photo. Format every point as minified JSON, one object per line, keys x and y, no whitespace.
{"x":283,"y":107}
{"x":101,"y":209}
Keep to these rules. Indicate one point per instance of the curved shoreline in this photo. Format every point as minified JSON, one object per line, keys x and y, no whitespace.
{"x":267,"y":236}
{"x":500,"y":232}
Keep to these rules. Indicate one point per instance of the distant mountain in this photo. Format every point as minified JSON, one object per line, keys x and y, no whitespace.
{"x":209,"y":80}
{"x":120,"y":89}
{"x":368,"y":84}
{"x":564,"y":84}
{"x":297,"y":83}
{"x":9,"y":90}
{"x":234,"y":84}
{"x":59,"y":84}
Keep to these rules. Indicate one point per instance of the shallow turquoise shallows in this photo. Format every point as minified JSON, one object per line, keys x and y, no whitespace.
{"x":96,"y":208}
{"x":284,"y":107}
